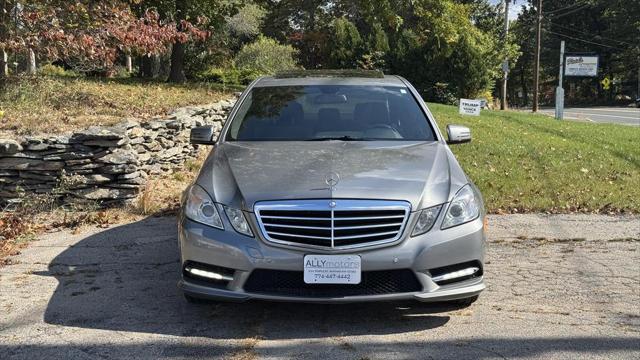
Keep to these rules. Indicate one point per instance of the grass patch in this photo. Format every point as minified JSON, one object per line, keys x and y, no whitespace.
{"x":533,"y":163}
{"x":49,"y":104}
{"x":161,"y":195}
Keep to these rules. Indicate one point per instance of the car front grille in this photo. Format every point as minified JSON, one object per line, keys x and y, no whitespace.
{"x":332,"y":224}
{"x":291,"y":283}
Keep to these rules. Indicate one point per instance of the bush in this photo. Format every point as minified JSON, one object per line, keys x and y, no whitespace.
{"x":441,"y":93}
{"x":54,"y":70}
{"x":230,"y":76}
{"x":266,"y":57}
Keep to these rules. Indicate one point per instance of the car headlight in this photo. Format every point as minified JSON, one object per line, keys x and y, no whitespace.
{"x":200,"y":208}
{"x":238,"y":221}
{"x":426,"y":219}
{"x":464,"y":207}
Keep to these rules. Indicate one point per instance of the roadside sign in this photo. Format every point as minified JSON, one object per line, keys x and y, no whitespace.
{"x":470,"y":107}
{"x":505,"y":66}
{"x":581,"y":65}
{"x":606,"y":83}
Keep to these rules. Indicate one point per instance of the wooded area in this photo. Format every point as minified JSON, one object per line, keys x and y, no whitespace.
{"x":447,"y":48}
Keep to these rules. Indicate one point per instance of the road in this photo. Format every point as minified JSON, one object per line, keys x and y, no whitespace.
{"x":561,"y":287}
{"x":613,"y":115}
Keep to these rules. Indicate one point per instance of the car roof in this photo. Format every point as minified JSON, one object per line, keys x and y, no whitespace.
{"x":302,"y":78}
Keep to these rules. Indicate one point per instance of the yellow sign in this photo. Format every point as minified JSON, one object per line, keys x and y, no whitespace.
{"x":606,"y":83}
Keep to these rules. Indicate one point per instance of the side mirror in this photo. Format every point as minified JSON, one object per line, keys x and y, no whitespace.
{"x":202,"y":135}
{"x":458,"y":134}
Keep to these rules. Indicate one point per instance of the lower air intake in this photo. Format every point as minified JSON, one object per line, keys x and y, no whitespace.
{"x":291,"y":283}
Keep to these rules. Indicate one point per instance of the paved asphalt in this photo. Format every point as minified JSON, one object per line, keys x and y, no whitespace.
{"x":613,"y":115}
{"x":559,"y":287}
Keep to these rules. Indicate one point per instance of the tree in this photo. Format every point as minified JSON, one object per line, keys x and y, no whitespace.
{"x":195,"y":20}
{"x":608,"y":28}
{"x":346,"y":45}
{"x":176,"y":74}
{"x":244,"y":27}
{"x":266,"y":56}
{"x":423,"y":40}
{"x":89,"y":35}
{"x":5,"y":10}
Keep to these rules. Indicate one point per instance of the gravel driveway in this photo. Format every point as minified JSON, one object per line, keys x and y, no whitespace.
{"x":558,"y":287}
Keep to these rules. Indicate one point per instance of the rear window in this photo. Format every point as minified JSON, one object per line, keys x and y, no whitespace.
{"x":317,"y":112}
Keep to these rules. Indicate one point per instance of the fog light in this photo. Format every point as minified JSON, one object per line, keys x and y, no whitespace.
{"x":455,"y":274}
{"x":208,"y":274}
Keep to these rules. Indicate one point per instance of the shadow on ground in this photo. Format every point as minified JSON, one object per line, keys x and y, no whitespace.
{"x":125,"y":279}
{"x":483,"y":348}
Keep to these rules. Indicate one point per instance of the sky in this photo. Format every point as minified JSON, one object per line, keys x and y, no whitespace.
{"x":514,"y":9}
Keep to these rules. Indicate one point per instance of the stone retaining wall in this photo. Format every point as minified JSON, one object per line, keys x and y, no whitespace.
{"x":102,"y":164}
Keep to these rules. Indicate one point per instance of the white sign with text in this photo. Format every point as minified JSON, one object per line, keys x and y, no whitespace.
{"x":470,"y":107}
{"x":581,"y":66}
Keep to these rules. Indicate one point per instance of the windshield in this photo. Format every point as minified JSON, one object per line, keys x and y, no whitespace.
{"x":330,"y":112}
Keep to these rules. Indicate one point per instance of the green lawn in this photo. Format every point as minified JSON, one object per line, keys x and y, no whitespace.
{"x":524,"y":162}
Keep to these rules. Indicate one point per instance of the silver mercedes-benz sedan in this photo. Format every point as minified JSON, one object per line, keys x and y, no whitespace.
{"x":331,"y":188}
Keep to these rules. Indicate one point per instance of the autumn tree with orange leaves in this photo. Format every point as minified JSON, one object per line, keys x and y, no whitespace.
{"x":90,"y":35}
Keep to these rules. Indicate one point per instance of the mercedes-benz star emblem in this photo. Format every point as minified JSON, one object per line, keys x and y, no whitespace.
{"x":332,"y":204}
{"x":332,"y":179}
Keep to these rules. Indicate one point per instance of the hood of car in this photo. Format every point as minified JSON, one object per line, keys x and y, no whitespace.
{"x":244,"y":173}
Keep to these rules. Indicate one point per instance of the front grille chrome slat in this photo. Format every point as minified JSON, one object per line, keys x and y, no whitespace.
{"x":295,"y":217}
{"x":300,"y":227}
{"x":345,"y":225}
{"x":301,"y":236}
{"x":369,"y":217}
{"x":366,"y":226}
{"x":365,"y":236}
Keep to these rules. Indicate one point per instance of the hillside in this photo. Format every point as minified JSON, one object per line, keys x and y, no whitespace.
{"x":50,"y":104}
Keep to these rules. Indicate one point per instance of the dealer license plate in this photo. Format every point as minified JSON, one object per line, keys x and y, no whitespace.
{"x":332,"y":269}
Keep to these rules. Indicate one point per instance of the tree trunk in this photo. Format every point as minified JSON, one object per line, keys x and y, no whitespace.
{"x":129,"y":64}
{"x":4,"y":64}
{"x":146,"y":69}
{"x":4,"y":58}
{"x":31,"y":65}
{"x":525,"y":90}
{"x":176,"y":75}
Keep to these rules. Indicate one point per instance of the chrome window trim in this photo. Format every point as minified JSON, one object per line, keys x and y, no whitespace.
{"x":340,"y":205}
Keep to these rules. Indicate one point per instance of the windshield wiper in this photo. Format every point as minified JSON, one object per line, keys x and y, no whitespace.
{"x":340,"y":138}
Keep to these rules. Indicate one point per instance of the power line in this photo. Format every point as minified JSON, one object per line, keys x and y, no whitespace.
{"x":579,"y":3}
{"x":586,"y":33}
{"x":585,"y":41}
{"x":582,"y":7}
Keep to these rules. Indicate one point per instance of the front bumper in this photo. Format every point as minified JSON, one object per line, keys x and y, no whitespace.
{"x":435,"y":249}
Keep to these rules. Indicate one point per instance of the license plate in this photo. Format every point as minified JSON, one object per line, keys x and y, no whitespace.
{"x":332,"y":269}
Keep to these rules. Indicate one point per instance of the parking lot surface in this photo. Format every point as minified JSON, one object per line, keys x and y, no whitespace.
{"x":563,"y":286}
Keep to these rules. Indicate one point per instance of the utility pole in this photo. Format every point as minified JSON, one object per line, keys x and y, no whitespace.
{"x":536,"y":70}
{"x":505,"y":64}
{"x":559,"y":89}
